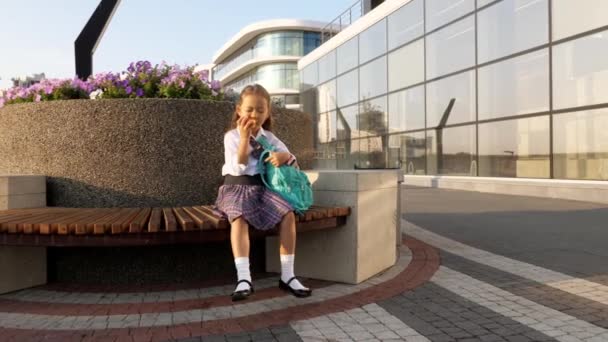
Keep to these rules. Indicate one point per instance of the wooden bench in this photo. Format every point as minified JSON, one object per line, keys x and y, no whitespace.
{"x":65,"y":227}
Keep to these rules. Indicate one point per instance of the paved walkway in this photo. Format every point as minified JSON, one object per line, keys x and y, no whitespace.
{"x":473,"y":267}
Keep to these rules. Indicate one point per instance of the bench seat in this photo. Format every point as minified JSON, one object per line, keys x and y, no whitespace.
{"x":65,"y":227}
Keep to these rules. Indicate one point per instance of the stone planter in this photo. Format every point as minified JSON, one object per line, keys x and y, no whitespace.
{"x":129,"y":152}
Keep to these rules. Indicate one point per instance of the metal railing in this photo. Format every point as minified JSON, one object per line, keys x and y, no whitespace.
{"x":342,"y":21}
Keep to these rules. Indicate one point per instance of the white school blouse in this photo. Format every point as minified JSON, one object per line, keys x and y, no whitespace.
{"x":231,"y":146}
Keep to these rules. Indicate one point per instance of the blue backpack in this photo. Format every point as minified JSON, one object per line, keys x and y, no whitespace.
{"x":289,"y":182}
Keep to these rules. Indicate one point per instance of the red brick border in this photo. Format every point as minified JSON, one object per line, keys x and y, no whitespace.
{"x":425,"y":262}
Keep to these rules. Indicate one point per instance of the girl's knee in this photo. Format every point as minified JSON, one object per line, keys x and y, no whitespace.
{"x":289,"y":217}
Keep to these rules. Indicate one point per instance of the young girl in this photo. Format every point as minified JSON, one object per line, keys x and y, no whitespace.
{"x":244,"y":199}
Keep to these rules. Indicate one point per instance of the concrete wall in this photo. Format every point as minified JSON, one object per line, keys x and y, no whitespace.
{"x":129,"y":152}
{"x":578,"y":190}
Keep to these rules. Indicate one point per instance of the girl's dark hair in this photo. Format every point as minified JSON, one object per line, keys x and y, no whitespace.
{"x":254,"y":89}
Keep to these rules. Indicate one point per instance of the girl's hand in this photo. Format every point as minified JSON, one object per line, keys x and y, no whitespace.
{"x":278,"y":158}
{"x":244,"y":125}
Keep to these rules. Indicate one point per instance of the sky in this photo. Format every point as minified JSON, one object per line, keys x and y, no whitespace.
{"x":38,"y":35}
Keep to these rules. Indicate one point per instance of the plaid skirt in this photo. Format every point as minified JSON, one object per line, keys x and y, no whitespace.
{"x":260,"y":207}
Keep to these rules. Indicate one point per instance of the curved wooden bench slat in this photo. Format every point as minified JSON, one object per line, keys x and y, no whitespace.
{"x":137,"y":226}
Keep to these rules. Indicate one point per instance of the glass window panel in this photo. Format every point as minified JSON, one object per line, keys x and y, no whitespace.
{"x":309,"y":76}
{"x":580,"y":71}
{"x":373,"y":78}
{"x":580,"y":145}
{"x":326,"y":127}
{"x":309,"y":101}
{"x":406,"y":109}
{"x":327,"y":96}
{"x":327,"y":66}
{"x":347,"y":154}
{"x":408,"y":151}
{"x":348,"y":88}
{"x":405,"y":24}
{"x":441,"y":12}
{"x":515,"y":148}
{"x":451,"y":48}
{"x":406,"y":65}
{"x":481,"y":3}
{"x":515,"y":86}
{"x":459,"y":87}
{"x":575,"y":16}
{"x":372,"y":42}
{"x":325,"y":157}
{"x":511,"y":26}
{"x":373,"y":154}
{"x":451,"y":151}
{"x":372,"y":117}
{"x":348,"y":55}
{"x":347,"y":126}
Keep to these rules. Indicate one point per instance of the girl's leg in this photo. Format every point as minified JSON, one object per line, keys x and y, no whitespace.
{"x":239,"y":239}
{"x":287,"y":250}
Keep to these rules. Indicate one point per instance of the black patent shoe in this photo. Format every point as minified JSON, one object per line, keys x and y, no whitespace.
{"x":242,"y":294}
{"x":298,"y":293}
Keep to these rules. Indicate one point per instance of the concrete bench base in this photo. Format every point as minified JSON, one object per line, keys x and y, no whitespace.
{"x":21,"y":267}
{"x":362,"y":248}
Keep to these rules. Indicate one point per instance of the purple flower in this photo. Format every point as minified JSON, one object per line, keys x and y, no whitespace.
{"x":129,"y":90}
{"x":2,"y":101}
{"x":38,"y":98}
{"x":215,"y":85}
{"x":139,"y":92}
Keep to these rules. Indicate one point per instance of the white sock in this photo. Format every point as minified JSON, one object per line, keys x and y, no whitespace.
{"x":287,"y":272}
{"x":242,"y":271}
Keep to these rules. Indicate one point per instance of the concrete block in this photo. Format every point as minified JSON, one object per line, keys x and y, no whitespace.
{"x":21,"y":267}
{"x":362,"y":248}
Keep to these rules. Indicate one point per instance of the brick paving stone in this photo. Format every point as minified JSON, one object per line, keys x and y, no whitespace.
{"x":460,"y":315}
{"x":573,"y":305}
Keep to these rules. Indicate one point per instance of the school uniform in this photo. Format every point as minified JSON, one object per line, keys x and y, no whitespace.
{"x":243,"y":194}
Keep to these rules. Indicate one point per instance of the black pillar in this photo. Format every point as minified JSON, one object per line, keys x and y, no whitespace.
{"x":89,"y":37}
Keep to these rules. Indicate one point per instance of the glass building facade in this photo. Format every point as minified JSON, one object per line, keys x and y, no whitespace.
{"x":503,"y":88}
{"x":271,"y":44}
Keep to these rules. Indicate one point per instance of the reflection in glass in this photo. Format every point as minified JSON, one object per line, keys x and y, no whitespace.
{"x":309,"y":101}
{"x":309,"y":76}
{"x":461,"y":88}
{"x":451,"y":151}
{"x":575,"y":16}
{"x":441,"y":12}
{"x":406,"y":65}
{"x":515,"y":148}
{"x":347,"y":127}
{"x":372,"y":117}
{"x":372,"y":153}
{"x":580,"y":71}
{"x":511,"y":26}
{"x":580,"y":145}
{"x":324,"y":157}
{"x":374,"y":74}
{"x":515,"y":86}
{"x":327,"y":66}
{"x":326,"y":127}
{"x":348,"y":55}
{"x":405,"y":24}
{"x":406,"y":109}
{"x":408,"y":151}
{"x":372,"y":42}
{"x":451,"y":49}
{"x":348,"y":88}
{"x":347,"y":154}
{"x":327,"y":96}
